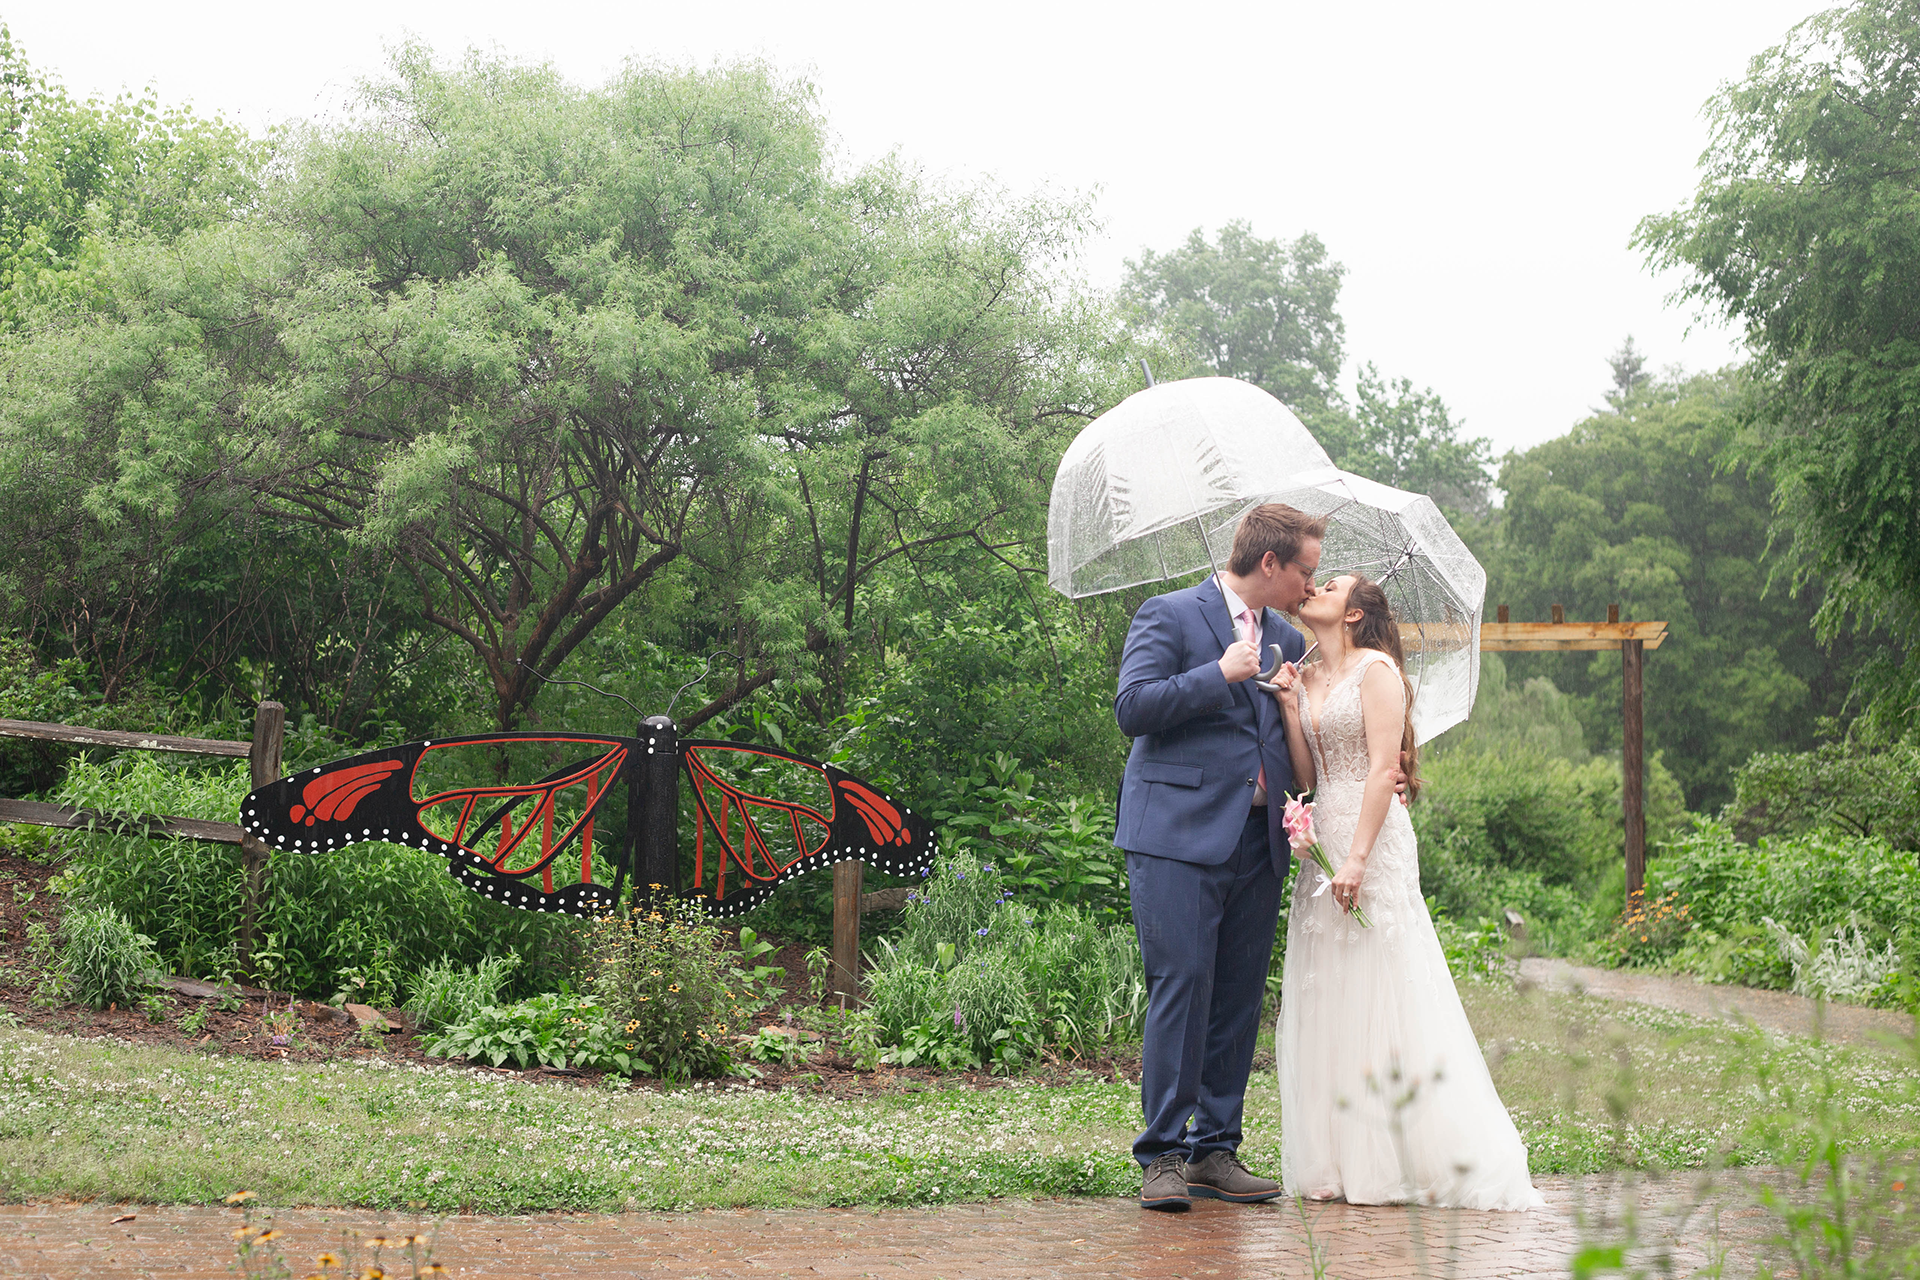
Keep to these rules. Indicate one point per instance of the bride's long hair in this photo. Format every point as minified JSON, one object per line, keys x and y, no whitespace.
{"x":1378,"y":629}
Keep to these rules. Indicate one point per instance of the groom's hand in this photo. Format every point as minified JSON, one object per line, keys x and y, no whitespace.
{"x":1240,"y":662}
{"x":1400,"y":779}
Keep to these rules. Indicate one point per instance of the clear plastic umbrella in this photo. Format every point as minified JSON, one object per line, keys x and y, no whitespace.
{"x":1134,"y":494}
{"x":1153,"y":488}
{"x":1437,"y":589}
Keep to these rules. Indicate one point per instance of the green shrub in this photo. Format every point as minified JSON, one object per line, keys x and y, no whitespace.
{"x":1559,"y":918}
{"x":552,"y":1030}
{"x":666,"y":977}
{"x":977,"y":976}
{"x":1810,"y":886}
{"x":1056,"y":849}
{"x":1841,"y":785}
{"x":445,"y":993}
{"x":1473,"y":951}
{"x":103,"y":958}
{"x":368,"y":911}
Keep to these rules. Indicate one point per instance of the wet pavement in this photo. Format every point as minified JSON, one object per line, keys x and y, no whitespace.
{"x":1780,"y":1011}
{"x":1004,"y":1238}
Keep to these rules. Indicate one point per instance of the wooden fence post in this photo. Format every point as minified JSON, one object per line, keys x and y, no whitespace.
{"x":1633,"y":800}
{"x":269,"y":741}
{"x":847,"y":877}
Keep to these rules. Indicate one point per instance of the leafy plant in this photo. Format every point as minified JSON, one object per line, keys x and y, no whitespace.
{"x":1845,"y":965}
{"x":774,"y":1044}
{"x":1650,"y":930}
{"x":663,"y":973}
{"x":551,"y":1030}
{"x":936,"y":1042}
{"x":195,"y":1020}
{"x":1049,"y":849}
{"x":1811,"y":886}
{"x":1473,"y":951}
{"x":972,"y":963}
{"x":103,"y":958}
{"x":378,"y":915}
{"x":445,"y":993}
{"x":819,"y":962}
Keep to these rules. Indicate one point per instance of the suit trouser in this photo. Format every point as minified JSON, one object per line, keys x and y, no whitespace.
{"x":1206,"y":935}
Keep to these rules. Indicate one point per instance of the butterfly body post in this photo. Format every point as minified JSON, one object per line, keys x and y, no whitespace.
{"x":519,"y":829}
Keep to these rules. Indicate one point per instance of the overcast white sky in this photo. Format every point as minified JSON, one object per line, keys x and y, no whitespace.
{"x":1477,"y":167}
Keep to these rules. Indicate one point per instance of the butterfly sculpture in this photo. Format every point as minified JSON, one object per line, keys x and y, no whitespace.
{"x":760,"y":816}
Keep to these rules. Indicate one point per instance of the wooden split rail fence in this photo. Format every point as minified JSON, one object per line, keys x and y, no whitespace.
{"x":262,"y":755}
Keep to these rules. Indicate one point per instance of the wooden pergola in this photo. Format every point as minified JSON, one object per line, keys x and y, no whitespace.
{"x":1632,"y":639}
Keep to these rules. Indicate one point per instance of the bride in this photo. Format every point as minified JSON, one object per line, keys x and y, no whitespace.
{"x":1384,"y":1097}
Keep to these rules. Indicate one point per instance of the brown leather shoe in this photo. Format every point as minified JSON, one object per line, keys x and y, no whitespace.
{"x":1165,"y":1185}
{"x":1219,"y":1175}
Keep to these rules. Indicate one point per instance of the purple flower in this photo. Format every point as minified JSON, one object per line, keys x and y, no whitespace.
{"x":986,"y":866}
{"x":959,"y":1022}
{"x":980,"y":933}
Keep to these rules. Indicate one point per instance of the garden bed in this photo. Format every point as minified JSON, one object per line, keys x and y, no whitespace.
{"x":235,"y":1026}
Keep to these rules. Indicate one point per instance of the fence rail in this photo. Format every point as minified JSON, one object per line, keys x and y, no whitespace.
{"x":80,"y":736}
{"x":263,"y":754}
{"x":151,"y":826}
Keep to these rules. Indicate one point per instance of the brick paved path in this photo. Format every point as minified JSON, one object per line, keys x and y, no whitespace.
{"x":1002,"y":1239}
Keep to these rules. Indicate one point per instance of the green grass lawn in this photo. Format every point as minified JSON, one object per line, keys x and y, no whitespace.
{"x":102,"y":1118}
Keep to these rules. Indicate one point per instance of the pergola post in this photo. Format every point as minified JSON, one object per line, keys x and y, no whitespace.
{"x":1633,"y":797}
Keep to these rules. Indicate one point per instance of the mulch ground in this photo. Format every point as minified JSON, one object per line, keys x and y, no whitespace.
{"x":236,"y":1026}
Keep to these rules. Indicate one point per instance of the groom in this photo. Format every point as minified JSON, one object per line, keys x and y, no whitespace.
{"x":1200,"y":823}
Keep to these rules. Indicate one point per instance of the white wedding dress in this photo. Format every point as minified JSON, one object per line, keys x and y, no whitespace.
{"x":1384,"y":1095}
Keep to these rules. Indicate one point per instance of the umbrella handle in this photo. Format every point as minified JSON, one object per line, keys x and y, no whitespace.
{"x":1265,"y":679}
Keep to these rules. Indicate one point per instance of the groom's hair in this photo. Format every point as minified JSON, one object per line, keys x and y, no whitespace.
{"x":1275,"y":527}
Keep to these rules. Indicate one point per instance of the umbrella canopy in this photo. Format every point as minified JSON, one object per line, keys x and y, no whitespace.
{"x":1436,"y":587}
{"x":1140,"y":483}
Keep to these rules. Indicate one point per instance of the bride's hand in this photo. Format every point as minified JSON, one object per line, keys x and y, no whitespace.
{"x":1346,"y":885}
{"x":1285,"y":681}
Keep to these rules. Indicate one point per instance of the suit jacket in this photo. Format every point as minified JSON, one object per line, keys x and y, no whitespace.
{"x":1198,"y":742}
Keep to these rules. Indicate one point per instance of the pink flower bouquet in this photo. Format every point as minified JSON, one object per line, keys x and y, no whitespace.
{"x":1298,"y":821}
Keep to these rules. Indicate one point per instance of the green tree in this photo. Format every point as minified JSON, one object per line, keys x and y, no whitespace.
{"x":1806,"y":229}
{"x":1243,"y":307}
{"x":1408,"y":439}
{"x":558,"y":352}
{"x":1267,"y":312}
{"x":71,"y":167}
{"x":1636,"y":507}
{"x":88,"y":532}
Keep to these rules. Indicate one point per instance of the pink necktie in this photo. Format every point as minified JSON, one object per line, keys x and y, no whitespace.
{"x":1250,"y":626}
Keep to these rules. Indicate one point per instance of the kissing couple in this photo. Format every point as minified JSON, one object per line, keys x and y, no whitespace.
{"x":1384,"y":1095}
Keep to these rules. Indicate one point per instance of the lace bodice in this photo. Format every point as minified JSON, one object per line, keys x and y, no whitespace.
{"x":1339,"y":747}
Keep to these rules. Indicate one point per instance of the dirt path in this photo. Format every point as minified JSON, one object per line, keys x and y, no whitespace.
{"x":1775,"y":1010}
{"x":1019,"y":1240}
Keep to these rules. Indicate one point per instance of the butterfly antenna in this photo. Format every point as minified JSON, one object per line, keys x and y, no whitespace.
{"x":704,"y":673}
{"x":582,"y":683}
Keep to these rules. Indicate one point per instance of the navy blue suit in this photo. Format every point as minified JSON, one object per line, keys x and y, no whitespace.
{"x":1204,"y":867}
